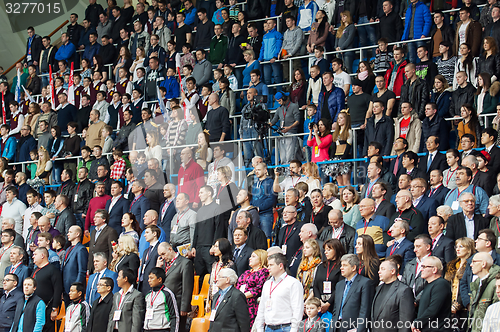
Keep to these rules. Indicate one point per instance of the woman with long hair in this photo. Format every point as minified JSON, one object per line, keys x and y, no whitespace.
{"x":194,"y":128}
{"x":320,"y":140}
{"x":98,"y":65}
{"x":243,"y":19}
{"x":140,"y":55}
{"x":298,"y":88}
{"x":124,"y":60}
{"x":204,"y":153}
{"x":350,"y":209}
{"x":366,"y":76}
{"x":466,"y":63}
{"x":311,"y":258}
{"x":311,"y":171}
{"x":342,"y":138}
{"x":368,"y":258}
{"x":469,"y":124}
{"x":489,"y":61}
{"x":44,"y":165}
{"x":319,"y":32}
{"x":251,"y":281}
{"x":109,"y":10}
{"x":86,"y":69}
{"x":449,"y":174}
{"x":464,"y":248}
{"x":171,"y":55}
{"x":153,"y":150}
{"x":125,"y":255}
{"x":319,"y":215}
{"x":441,"y":95}
{"x":446,"y":63}
{"x":225,"y":193}
{"x":223,"y":253}
{"x":131,"y":227}
{"x":31,"y":118}
{"x":485,"y":98}
{"x":328,"y":274}
{"x":345,"y":39}
{"x":127,"y":11}
{"x":331,"y":195}
{"x":55,"y":145}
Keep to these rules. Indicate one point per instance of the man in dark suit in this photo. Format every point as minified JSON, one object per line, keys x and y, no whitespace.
{"x":229,"y":305}
{"x":288,"y":237}
{"x":256,"y":238}
{"x":410,"y":160}
{"x":140,"y":204}
{"x":383,"y":207}
{"x":393,"y":301}
{"x":401,"y":245}
{"x":436,"y":189}
{"x":8,"y":301}
{"x":488,"y":139}
{"x":421,"y":202}
{"x":337,"y":229}
{"x":374,"y":171}
{"x":353,"y":297}
{"x":396,"y":165}
{"x":457,"y":225}
{"x":101,"y":238}
{"x":412,"y":273}
{"x":434,"y":311}
{"x":100,"y":271}
{"x":479,"y":179}
{"x":153,"y":190}
{"x":241,"y":251}
{"x":74,"y":264}
{"x":64,"y":217}
{"x":167,"y":209}
{"x":442,"y":247}
{"x":117,"y":206}
{"x":129,"y":302}
{"x":434,"y":159}
{"x":179,"y":279}
{"x":102,"y":305}
{"x":149,"y":257}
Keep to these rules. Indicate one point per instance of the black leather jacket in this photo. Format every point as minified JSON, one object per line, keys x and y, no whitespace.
{"x":461,"y":96}
{"x":417,"y":94}
{"x":84,"y":191}
{"x":346,"y":238}
{"x":490,"y":65}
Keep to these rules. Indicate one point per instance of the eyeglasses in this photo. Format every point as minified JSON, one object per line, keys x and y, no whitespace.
{"x":480,"y":238}
{"x":7,"y":280}
{"x":427,"y":266}
{"x":101,"y":285}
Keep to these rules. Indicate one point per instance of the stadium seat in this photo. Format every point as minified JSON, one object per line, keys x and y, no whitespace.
{"x":199,"y":300}
{"x":200,"y":325}
{"x":61,"y":318}
{"x":196,"y":288}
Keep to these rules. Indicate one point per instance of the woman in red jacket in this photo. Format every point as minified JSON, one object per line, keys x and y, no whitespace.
{"x":320,"y":140}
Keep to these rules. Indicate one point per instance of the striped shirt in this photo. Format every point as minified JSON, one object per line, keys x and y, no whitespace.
{"x":492,"y":318}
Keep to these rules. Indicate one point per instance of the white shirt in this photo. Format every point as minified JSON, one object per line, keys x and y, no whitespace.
{"x":290,"y":182}
{"x":16,"y":211}
{"x":286,"y":306}
{"x":491,"y":318}
{"x":113,"y":202}
{"x":339,"y":80}
{"x":469,"y":225}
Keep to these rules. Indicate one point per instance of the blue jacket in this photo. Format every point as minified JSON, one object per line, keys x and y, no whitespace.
{"x":172,"y":86}
{"x":375,"y":228}
{"x":313,"y":6}
{"x":8,"y":307}
{"x":190,"y":16}
{"x":90,"y":51}
{"x":65,"y":52}
{"x":421,"y":23}
{"x":307,"y":121}
{"x":9,"y":150}
{"x":165,"y":221}
{"x":336,"y":103}
{"x":405,"y":249}
{"x":482,"y":199}
{"x":443,"y":102}
{"x":427,"y":206}
{"x":143,"y":244}
{"x":74,"y":266}
{"x":139,"y":208}
{"x":116,"y":214}
{"x":264,"y":196}
{"x":91,"y":294}
{"x":271,"y":45}
{"x":22,"y":272}
{"x":26,"y":147}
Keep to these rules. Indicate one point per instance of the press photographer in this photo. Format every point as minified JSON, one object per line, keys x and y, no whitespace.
{"x":254,"y":115}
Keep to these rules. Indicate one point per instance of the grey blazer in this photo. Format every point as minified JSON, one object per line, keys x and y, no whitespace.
{"x":133,"y":309}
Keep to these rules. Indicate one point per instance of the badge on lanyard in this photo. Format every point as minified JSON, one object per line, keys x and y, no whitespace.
{"x":455,"y":205}
{"x":283,"y":248}
{"x":174,"y":229}
{"x":116,"y":315}
{"x":327,"y":287}
{"x":149,"y":314}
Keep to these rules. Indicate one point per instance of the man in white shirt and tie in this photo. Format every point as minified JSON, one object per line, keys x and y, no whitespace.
{"x":282,"y":301}
{"x":101,"y":270}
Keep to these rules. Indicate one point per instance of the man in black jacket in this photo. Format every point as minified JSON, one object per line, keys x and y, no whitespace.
{"x":204,"y":30}
{"x":64,"y":217}
{"x":339,"y":230}
{"x":435,"y":159}
{"x":257,"y":9}
{"x":82,"y":117}
{"x":414,"y":91}
{"x":8,"y":302}
{"x":118,"y":24}
{"x":442,"y":247}
{"x":101,"y":306}
{"x":391,"y":25}
{"x":47,"y":57}
{"x":84,"y":191}
{"x":121,"y":141}
{"x":33,"y":48}
{"x":379,"y":128}
{"x":446,"y":33}
{"x":464,"y":94}
{"x":434,"y":125}
{"x":75,"y":30}
{"x":107,"y":51}
{"x":92,"y":13}
{"x":68,"y":186}
{"x":479,"y":179}
{"x":256,"y":237}
{"x":493,"y":28}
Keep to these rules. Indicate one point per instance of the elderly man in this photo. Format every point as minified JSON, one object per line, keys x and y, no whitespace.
{"x":9,"y":223}
{"x":482,"y":289}
{"x":288,"y":237}
{"x":494,"y":211}
{"x":307,"y":231}
{"x":426,"y":205}
{"x":183,"y":222}
{"x":466,"y":223}
{"x":256,"y":237}
{"x":412,"y":272}
{"x":8,"y":302}
{"x":479,"y":179}
{"x":337,"y":229}
{"x":101,"y":270}
{"x":490,"y":322}
{"x":407,"y":211}
{"x":190,"y":177}
{"x":442,"y":247}
{"x":401,"y":245}
{"x":150,"y":219}
{"x":16,"y":258}
{"x":435,"y":302}
{"x":229,"y":305}
{"x":14,"y":208}
{"x":463,"y":179}
{"x":372,"y":225}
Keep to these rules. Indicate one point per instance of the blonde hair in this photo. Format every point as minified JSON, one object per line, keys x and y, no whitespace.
{"x":468,"y":244}
{"x":315,"y":246}
{"x":226,"y":171}
{"x":129,"y":247}
{"x":332,"y":188}
{"x":262,"y":254}
{"x":313,"y":301}
{"x":42,"y":162}
{"x":312,"y":170}
{"x":250,"y":52}
{"x":342,"y":132}
{"x":154,"y":138}
{"x":343,"y":25}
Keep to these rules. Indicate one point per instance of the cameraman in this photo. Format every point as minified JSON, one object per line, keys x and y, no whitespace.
{"x":288,"y":115}
{"x":247,"y":127}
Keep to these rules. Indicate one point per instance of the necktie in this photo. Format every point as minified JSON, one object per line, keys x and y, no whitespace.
{"x":396,"y":165}
{"x":346,"y":290}
{"x":429,"y":161}
{"x":236,"y":253}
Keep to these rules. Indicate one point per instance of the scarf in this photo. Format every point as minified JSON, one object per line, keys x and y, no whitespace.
{"x":363,"y":75}
{"x":306,"y":274}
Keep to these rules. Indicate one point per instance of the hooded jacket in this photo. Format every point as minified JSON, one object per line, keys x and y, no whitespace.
{"x":271,"y":45}
{"x":400,"y":76}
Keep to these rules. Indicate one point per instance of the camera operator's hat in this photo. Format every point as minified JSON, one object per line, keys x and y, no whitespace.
{"x":280,"y":95}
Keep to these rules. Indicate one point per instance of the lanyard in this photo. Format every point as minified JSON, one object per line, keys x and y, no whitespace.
{"x":135,"y":199}
{"x":169,"y":265}
{"x":369,"y":189}
{"x":498,"y":228}
{"x":5,"y":249}
{"x":36,"y":271}
{"x":450,"y":175}
{"x":271,"y":289}
{"x":341,"y":231}
{"x":394,"y":247}
{"x":222,"y":188}
{"x":73,"y":310}
{"x":288,"y":232}
{"x":284,"y":111}
{"x":293,"y":185}
{"x":179,"y":218}
{"x":311,"y":325}
{"x":217,"y":270}
{"x":328,"y":270}
{"x":120,"y":302}
{"x":154,"y":299}
{"x":434,"y":190}
{"x":13,"y":268}
{"x":165,"y":207}
{"x":67,"y":252}
{"x":366,"y":225}
{"x":313,"y":215}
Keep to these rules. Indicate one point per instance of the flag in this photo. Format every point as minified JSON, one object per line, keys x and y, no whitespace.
{"x":71,"y":86}
{"x":4,"y":115}
{"x":183,"y":103}
{"x":52,"y":89}
{"x":28,"y":96}
{"x":161,"y":104}
{"x":18,"y":87}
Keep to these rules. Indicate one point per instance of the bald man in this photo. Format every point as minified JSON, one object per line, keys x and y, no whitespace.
{"x":406,"y":211}
{"x":288,"y":238}
{"x":372,"y":225}
{"x":150,"y":218}
{"x":190,"y":177}
{"x":217,"y":123}
{"x":167,"y":209}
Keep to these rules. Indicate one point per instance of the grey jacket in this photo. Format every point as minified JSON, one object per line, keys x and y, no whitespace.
{"x":228,"y":100}
{"x":289,"y":113}
{"x":292,"y":40}
{"x":142,"y":40}
{"x":409,"y":279}
{"x":133,"y":308}
{"x":64,"y":220}
{"x":103,"y":30}
{"x":165,"y":35}
{"x":202,"y":72}
{"x":346,"y":41}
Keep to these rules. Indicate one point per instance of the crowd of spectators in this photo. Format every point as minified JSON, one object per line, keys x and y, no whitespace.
{"x":119,"y":179}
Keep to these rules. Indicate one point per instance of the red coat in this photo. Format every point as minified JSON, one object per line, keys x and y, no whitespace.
{"x":95,"y":204}
{"x":190,"y":180}
{"x":400,"y":78}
